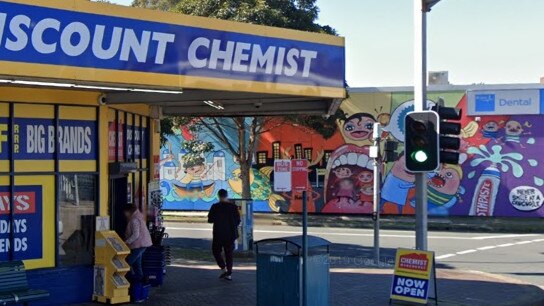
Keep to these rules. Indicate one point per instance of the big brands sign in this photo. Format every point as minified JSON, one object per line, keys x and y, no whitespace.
{"x":44,"y":35}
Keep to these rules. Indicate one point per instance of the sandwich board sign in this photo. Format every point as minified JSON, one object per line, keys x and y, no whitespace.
{"x":282,"y":175}
{"x":414,"y":276}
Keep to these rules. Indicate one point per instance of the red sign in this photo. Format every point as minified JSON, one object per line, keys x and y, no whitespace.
{"x":116,"y":141}
{"x":299,"y":174}
{"x":25,"y":202}
{"x":413,"y":261}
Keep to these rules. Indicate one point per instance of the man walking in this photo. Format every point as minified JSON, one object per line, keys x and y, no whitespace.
{"x":225,"y":218}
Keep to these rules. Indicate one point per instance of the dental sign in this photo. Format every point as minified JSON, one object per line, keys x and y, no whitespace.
{"x":43,"y":35}
{"x":505,"y":102}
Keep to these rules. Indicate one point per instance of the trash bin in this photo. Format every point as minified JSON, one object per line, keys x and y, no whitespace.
{"x":279,"y":271}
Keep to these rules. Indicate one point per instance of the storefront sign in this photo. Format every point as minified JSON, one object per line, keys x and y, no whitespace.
{"x":282,"y":175}
{"x":64,"y":37}
{"x":505,"y":102}
{"x":412,"y":275}
{"x":34,"y":139}
{"x":26,"y":223}
{"x":115,"y":140}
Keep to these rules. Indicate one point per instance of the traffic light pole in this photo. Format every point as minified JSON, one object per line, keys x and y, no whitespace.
{"x":420,"y":99}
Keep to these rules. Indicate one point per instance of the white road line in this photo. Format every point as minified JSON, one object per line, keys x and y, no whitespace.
{"x":505,"y":236}
{"x":445,"y":256}
{"x":524,"y":242}
{"x":487,"y":248}
{"x":505,"y":245}
{"x":538,"y":240}
{"x":466,"y":252}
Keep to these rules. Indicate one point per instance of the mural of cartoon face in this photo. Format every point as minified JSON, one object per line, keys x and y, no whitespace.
{"x":491,"y":126}
{"x":365,"y":177}
{"x":513,"y":128}
{"x":399,"y":170}
{"x":446,"y":180}
{"x":358,"y":127}
{"x":368,"y":190}
{"x":342,"y":172}
{"x":196,"y":170}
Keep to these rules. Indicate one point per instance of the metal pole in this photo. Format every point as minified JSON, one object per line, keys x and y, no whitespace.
{"x":420,"y":99}
{"x":304,"y":249}
{"x":376,"y":202}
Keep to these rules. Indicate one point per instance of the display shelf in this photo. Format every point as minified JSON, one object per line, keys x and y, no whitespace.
{"x":111,"y":286}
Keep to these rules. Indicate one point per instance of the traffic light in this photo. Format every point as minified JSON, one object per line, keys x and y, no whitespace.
{"x":421,"y":141}
{"x":449,"y":142}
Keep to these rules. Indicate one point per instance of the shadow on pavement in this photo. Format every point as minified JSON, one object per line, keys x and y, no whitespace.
{"x":341,"y":255}
{"x":199,"y":285}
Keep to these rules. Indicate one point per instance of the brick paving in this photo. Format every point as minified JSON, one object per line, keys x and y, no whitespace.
{"x":196,"y":283}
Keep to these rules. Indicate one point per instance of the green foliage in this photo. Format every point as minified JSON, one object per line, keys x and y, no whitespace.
{"x":291,"y":14}
{"x":197,"y":146}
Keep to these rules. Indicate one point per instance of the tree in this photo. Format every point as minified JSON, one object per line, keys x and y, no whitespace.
{"x":292,"y":14}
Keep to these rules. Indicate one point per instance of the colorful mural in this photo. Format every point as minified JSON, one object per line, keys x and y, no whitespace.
{"x":497,"y":175}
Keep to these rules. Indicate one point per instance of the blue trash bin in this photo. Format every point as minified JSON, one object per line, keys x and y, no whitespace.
{"x":279,"y":271}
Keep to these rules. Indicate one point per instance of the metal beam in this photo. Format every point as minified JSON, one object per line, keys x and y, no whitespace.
{"x":318,"y":107}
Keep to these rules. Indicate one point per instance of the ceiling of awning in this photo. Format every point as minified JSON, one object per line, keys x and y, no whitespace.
{"x":192,"y":103}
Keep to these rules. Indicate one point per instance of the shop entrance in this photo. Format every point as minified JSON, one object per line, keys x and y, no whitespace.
{"x":118,"y":200}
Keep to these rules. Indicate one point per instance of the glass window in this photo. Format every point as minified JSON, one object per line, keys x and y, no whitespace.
{"x":77,"y":208}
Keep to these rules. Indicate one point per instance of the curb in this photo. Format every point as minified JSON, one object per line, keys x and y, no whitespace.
{"x":460,"y":224}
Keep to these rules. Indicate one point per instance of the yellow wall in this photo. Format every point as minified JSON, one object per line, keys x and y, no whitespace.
{"x":72,"y":108}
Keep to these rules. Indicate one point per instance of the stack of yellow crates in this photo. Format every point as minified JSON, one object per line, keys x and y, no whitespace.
{"x":110,"y":284}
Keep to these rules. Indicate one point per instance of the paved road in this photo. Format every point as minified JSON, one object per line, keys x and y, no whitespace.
{"x":519,"y":256}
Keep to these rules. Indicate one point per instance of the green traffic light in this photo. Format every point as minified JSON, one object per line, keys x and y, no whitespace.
{"x":420,"y":156}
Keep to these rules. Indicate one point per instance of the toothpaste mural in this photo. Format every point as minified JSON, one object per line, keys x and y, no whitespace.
{"x":498,"y":174}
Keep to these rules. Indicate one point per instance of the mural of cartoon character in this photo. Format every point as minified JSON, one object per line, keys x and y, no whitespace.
{"x":443,"y":189}
{"x":366,"y":186}
{"x":260,"y":188}
{"x":342,"y":181}
{"x":359,"y":127}
{"x":490,"y":130}
{"x":397,"y":188}
{"x":513,"y":131}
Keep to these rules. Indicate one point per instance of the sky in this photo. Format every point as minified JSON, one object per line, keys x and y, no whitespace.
{"x":477,"y":41}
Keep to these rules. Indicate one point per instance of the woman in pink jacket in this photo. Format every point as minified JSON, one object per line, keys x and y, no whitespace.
{"x":137,"y":238}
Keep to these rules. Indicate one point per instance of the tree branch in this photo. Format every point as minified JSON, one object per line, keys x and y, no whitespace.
{"x":220,"y":135}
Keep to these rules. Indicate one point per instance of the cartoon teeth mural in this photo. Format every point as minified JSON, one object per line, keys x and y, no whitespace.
{"x":499,"y":172}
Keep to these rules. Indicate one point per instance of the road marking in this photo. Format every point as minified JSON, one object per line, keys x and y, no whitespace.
{"x":538,"y":240}
{"x":487,"y":248}
{"x":524,"y":242}
{"x":505,"y":245}
{"x":505,"y":236}
{"x":445,"y":256}
{"x":466,"y":252}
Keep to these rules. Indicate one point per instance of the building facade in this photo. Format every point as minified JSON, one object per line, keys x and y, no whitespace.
{"x":498,"y":175}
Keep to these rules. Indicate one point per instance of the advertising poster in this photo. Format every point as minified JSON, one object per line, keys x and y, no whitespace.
{"x":26,"y":224}
{"x":412,"y":275}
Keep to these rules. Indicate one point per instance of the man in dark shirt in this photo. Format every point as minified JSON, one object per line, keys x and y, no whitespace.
{"x":225,"y":218}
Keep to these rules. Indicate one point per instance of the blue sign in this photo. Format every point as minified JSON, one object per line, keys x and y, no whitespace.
{"x":34,"y":139}
{"x":485,"y":102}
{"x":42,"y":35}
{"x":410,"y":287}
{"x":504,"y":102}
{"x":26,"y":223}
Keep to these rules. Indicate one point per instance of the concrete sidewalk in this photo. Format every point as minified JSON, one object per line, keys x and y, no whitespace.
{"x":197,"y":283}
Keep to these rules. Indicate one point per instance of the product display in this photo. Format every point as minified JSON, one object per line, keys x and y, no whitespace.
{"x":111,"y":268}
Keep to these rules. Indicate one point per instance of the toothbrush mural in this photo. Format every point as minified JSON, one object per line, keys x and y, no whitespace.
{"x":498,"y":175}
